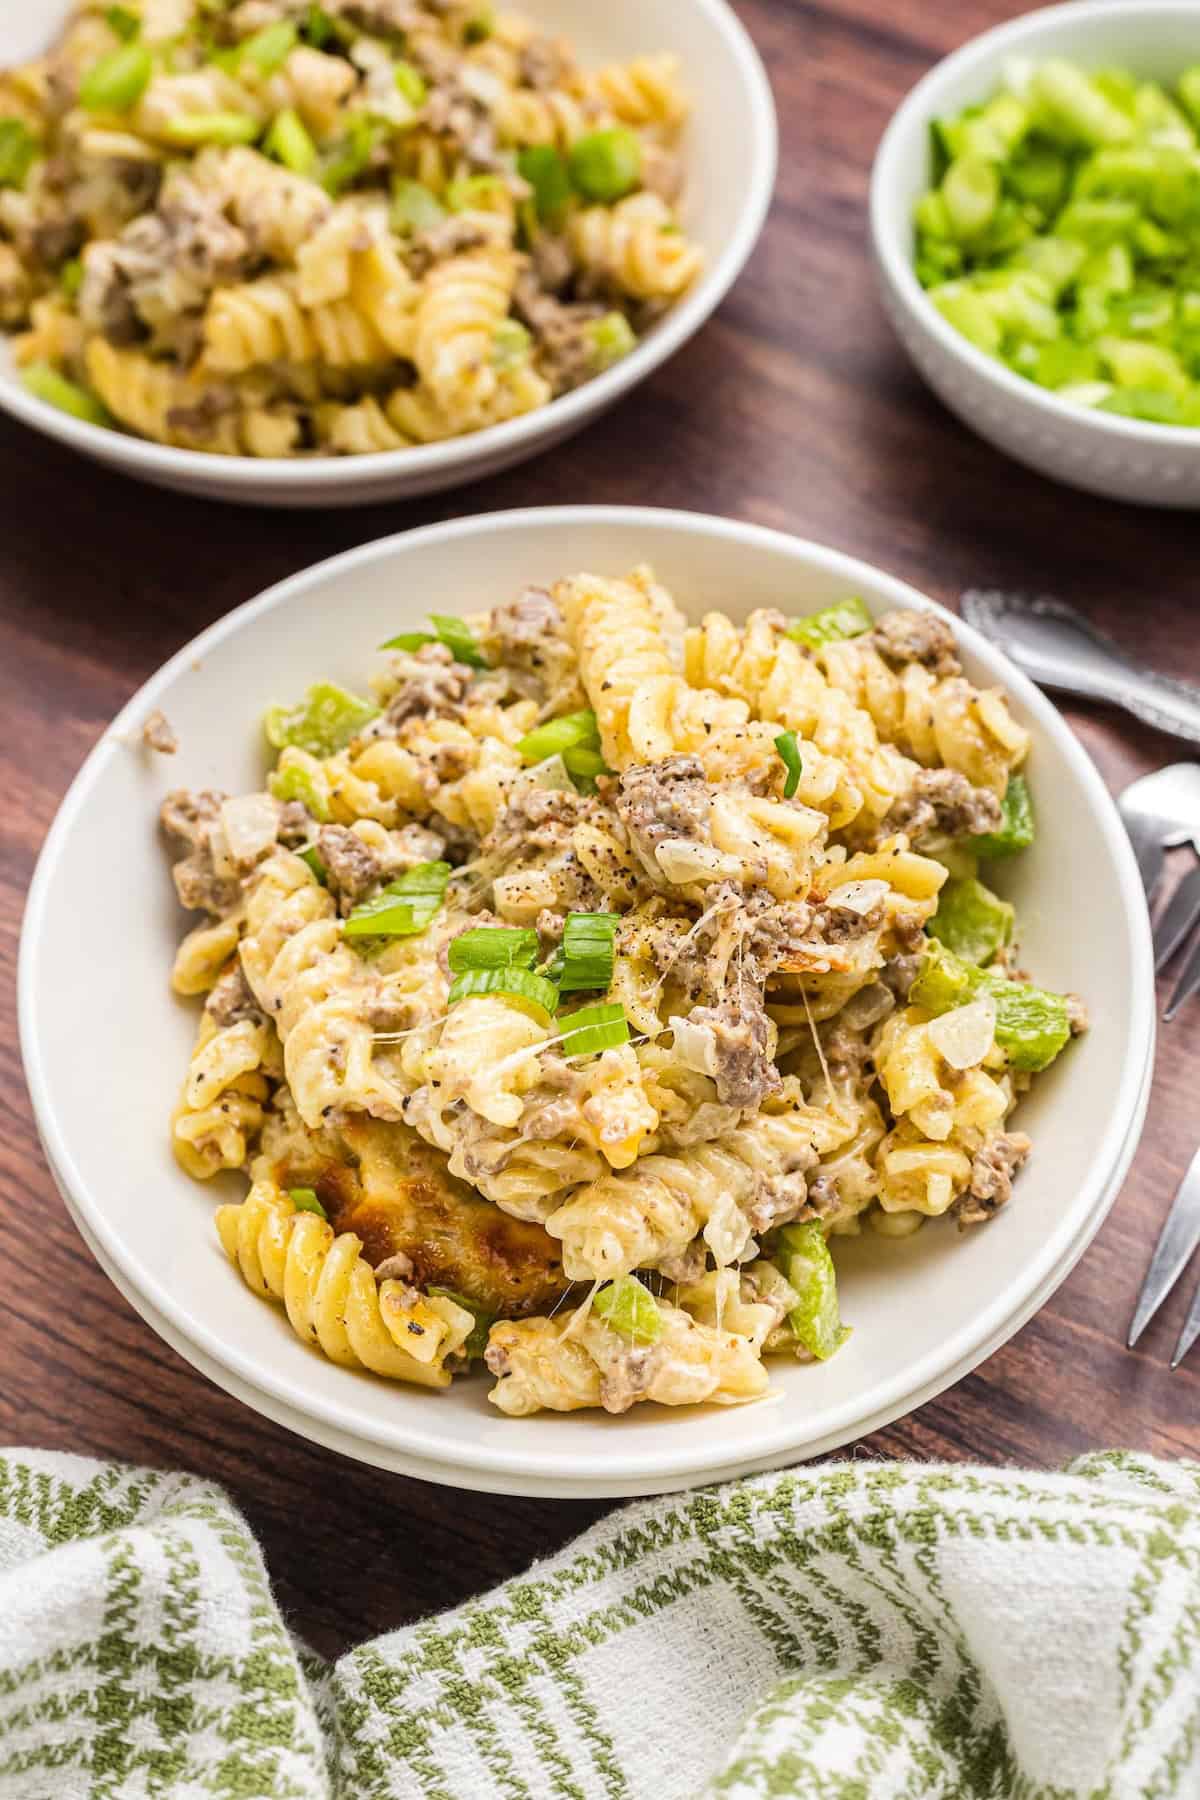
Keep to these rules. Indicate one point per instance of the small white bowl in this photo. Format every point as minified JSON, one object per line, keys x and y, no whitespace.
{"x":730,"y":147}
{"x":106,"y":1045}
{"x":1125,"y":459}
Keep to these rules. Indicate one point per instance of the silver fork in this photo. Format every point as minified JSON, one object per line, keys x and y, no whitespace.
{"x":1162,"y":811}
{"x":1060,"y":649}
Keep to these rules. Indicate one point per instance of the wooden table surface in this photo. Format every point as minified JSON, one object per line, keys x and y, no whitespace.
{"x":794,"y":408}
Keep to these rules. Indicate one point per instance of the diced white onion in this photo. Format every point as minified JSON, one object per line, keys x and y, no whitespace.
{"x":482,"y":84}
{"x":250,"y":824}
{"x":695,"y":1046}
{"x":858,"y":896}
{"x":550,"y":774}
{"x":681,"y":860}
{"x":964,"y":1037}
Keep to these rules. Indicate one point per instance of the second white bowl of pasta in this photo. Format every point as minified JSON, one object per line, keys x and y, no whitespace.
{"x":294,"y":255}
{"x":590,"y":1018}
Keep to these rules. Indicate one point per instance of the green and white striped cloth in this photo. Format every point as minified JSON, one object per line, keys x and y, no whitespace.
{"x":857,"y":1631}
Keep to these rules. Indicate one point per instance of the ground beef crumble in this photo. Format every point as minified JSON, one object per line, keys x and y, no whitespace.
{"x":992,"y":1177}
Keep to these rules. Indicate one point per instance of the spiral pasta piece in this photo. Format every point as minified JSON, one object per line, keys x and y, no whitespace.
{"x":220,"y":1113}
{"x":462,"y":302}
{"x":574,"y":1360}
{"x":263,"y":321}
{"x":649,"y":1214}
{"x":636,"y":248}
{"x":644,"y":91}
{"x":278,"y":209}
{"x":771,"y":674}
{"x":645,"y":710}
{"x":329,"y":1292}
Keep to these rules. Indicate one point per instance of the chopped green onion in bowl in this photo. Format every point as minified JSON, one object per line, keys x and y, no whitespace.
{"x":1060,"y":236}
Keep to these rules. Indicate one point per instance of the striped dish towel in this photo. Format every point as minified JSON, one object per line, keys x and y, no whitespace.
{"x":857,"y":1631}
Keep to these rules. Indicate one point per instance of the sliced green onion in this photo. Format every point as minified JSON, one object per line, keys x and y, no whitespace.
{"x":815,"y":1320}
{"x":348,"y":158}
{"x":972,"y":921}
{"x":296,"y":783}
{"x":628,"y":1307}
{"x":70,"y":277}
{"x":510,"y":345}
{"x":270,"y":48}
{"x":126,"y":24}
{"x":557,"y":736}
{"x":1016,"y":829}
{"x":583,"y":764}
{"x":414,"y":207}
{"x":410,"y":83}
{"x":584,"y":958}
{"x":186,"y":129}
{"x":288,"y":141}
{"x":546,"y":172}
{"x":606,"y":164}
{"x":529,"y":990}
{"x":455,"y":633}
{"x":404,"y":908}
{"x":590,"y":1029}
{"x":18,"y":149}
{"x":477,"y":1338}
{"x":322,"y":723}
{"x":789,"y":752}
{"x":425,"y":880}
{"x":117,"y":80}
{"x":304,"y":1199}
{"x":68,"y":396}
{"x":493,"y":947}
{"x":312,"y":856}
{"x":848,"y":619}
{"x":612,"y":337}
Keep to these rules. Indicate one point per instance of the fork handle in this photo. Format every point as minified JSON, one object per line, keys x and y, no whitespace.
{"x":1059,"y":649}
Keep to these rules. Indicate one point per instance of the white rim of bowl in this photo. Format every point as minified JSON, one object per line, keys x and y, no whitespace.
{"x":897,"y":264}
{"x":954,"y":1357}
{"x":667,"y":336}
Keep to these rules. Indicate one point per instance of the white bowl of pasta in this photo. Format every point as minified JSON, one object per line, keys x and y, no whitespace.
{"x":596,"y":1019}
{"x":362,"y":252}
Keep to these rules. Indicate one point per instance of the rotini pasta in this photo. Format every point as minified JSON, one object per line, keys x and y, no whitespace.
{"x":348,"y":218}
{"x":599,"y":971}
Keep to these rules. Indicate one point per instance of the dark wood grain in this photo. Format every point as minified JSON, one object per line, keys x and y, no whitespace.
{"x":794,"y":408}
